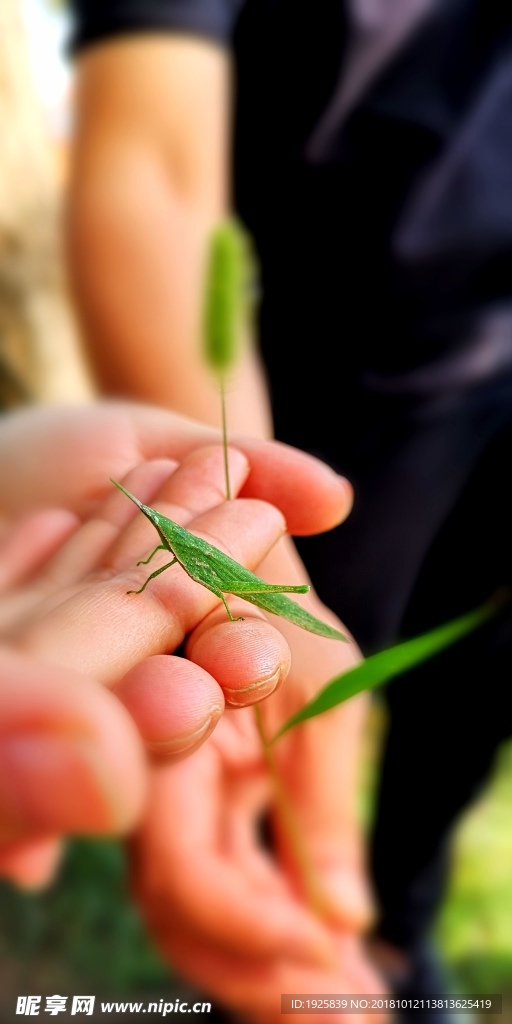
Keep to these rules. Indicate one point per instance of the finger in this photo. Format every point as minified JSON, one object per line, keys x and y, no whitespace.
{"x":109,"y":439}
{"x":25,"y":548}
{"x":30,"y":542}
{"x":117,"y":535}
{"x":127,"y":627}
{"x":174,"y":704}
{"x":87,"y":549}
{"x":188,"y":871}
{"x":254,"y":986}
{"x":70,"y":758}
{"x":324,"y":800}
{"x":320,"y":764}
{"x":311,"y":496}
{"x":197,"y":486}
{"x":30,"y":864}
{"x":249,"y":659}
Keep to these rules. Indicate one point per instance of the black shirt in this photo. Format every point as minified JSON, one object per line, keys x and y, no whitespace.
{"x":384,"y":230}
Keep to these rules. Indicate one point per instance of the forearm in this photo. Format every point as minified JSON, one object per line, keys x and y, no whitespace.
{"x":139,"y":214}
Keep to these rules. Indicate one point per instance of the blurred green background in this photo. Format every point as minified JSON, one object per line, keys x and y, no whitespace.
{"x":475,"y":926}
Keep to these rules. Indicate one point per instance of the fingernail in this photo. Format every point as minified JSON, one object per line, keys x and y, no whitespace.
{"x":185,"y":744}
{"x":54,"y":783}
{"x":349,"y":490}
{"x":247,"y":695}
{"x":348,"y":901}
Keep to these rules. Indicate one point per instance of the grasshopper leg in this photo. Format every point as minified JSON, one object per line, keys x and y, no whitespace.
{"x":159,"y":547}
{"x":153,"y":574}
{"x":239,"y":618}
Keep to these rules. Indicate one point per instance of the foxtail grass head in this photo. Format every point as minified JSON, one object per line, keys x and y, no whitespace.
{"x":227,"y":307}
{"x":229,"y":295}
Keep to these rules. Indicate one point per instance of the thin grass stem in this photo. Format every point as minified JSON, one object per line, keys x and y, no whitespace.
{"x":222,"y":383}
{"x":310,"y":883}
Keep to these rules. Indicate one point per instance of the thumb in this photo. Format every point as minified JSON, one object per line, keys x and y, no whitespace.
{"x":323,"y":845}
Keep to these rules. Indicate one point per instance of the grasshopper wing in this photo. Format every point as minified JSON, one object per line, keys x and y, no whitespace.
{"x":278,"y":604}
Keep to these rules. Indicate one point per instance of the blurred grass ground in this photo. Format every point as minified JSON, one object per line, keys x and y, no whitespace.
{"x":83,"y":934}
{"x":475,"y":926}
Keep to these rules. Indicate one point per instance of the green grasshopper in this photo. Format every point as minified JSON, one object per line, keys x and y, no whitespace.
{"x":220,"y":574}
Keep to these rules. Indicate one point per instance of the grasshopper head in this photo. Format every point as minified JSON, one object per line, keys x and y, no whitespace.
{"x":128,"y":494}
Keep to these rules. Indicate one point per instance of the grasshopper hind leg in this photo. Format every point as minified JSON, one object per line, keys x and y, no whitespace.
{"x":232,"y":618}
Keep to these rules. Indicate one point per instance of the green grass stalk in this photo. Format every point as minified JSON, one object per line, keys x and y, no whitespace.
{"x":309,"y":880}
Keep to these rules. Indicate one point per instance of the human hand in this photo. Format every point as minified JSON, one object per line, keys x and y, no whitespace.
{"x":321,"y":761}
{"x":64,"y":458}
{"x":63,"y":439}
{"x":74,"y":613}
{"x":78,"y":594}
{"x":81,"y":590}
{"x":71,"y":761}
{"x":231,"y":915}
{"x":225,"y":911}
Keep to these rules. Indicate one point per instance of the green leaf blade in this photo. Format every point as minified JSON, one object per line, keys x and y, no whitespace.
{"x":380,"y":668}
